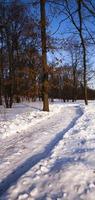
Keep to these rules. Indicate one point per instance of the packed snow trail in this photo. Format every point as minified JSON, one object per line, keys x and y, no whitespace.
{"x":22,"y":154}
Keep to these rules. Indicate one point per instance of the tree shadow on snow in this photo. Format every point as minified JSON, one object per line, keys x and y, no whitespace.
{"x":66,"y":161}
{"x":13,"y":177}
{"x":32,"y":106}
{"x":63,"y":162}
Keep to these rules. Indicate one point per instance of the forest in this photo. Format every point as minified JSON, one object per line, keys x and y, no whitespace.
{"x":47,"y":51}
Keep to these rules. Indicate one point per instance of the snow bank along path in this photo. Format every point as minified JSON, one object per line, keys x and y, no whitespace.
{"x":53,"y":161}
{"x":20,"y":153}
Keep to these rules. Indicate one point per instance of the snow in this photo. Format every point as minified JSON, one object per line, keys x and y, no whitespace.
{"x":47,"y":155}
{"x":21,"y":117}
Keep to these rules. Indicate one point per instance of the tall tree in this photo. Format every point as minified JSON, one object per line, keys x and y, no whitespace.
{"x":78,"y":24}
{"x":1,"y":67}
{"x":84,"y":49}
{"x":44,"y":56}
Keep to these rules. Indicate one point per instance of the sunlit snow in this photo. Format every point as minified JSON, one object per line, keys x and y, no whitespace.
{"x":47,"y":156}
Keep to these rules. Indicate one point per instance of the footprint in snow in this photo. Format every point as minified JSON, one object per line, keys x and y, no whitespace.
{"x":44,"y":169}
{"x":23,"y":196}
{"x":34,"y":192}
{"x":83,"y":141}
{"x":38,"y":172}
{"x":77,"y":188}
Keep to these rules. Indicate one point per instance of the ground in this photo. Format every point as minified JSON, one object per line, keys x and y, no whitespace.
{"x":47,"y":156}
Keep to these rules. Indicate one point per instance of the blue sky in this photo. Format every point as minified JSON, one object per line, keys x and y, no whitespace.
{"x":67,"y":29}
{"x":64,"y":31}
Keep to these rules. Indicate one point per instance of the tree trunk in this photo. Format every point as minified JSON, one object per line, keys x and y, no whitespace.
{"x":84,"y":75}
{"x":1,"y":68}
{"x":10,"y":90}
{"x":74,"y":84}
{"x":44,"y":57}
{"x":84,"y":53}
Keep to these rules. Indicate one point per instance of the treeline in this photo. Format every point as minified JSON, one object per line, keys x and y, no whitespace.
{"x":19,"y":57}
{"x":66,"y":85}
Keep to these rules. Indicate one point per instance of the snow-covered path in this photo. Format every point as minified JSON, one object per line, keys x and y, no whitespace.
{"x":21,"y":152}
{"x":54,"y":159}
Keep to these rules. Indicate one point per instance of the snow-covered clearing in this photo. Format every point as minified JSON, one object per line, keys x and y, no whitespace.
{"x":47,"y":156}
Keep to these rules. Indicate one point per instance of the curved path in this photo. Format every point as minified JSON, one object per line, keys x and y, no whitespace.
{"x":27,"y":159}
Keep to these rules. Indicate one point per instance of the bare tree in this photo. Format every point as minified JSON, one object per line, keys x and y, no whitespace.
{"x":44,"y":57}
{"x":1,"y":67}
{"x":78,"y":24}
